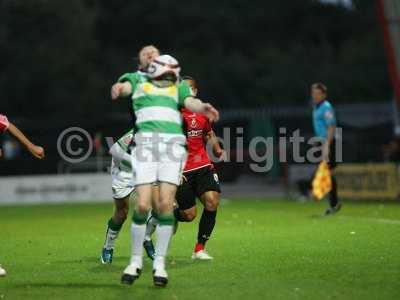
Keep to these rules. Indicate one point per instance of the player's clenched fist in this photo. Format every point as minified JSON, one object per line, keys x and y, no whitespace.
{"x":116,"y":90}
{"x":211,"y":112}
{"x":120,"y":90}
{"x":37,"y":151}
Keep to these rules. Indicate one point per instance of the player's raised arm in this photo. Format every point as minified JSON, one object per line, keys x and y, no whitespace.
{"x":196,"y":105}
{"x":36,"y":151}
{"x":121,"y":90}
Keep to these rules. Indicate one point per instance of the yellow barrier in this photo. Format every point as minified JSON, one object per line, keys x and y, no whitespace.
{"x":368,"y":181}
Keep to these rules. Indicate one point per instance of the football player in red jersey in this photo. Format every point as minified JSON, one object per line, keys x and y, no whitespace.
{"x":199,"y":179}
{"x":36,"y":151}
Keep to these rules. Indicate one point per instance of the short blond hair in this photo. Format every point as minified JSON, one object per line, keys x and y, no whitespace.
{"x":146,"y":47}
{"x":320,"y":86}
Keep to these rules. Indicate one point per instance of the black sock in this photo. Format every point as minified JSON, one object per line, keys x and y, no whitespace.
{"x":206,"y":226}
{"x":178,"y":215}
{"x":333,"y":199}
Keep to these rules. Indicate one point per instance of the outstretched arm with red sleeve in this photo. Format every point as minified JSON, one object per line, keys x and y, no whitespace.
{"x":5,"y":125}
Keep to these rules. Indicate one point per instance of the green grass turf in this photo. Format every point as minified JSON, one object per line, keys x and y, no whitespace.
{"x":262,"y":249}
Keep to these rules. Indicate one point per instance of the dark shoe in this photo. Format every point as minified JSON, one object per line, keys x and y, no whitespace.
{"x":333,"y":210}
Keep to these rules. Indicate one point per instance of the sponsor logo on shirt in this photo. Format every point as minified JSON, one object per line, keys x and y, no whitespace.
{"x":195,"y":133}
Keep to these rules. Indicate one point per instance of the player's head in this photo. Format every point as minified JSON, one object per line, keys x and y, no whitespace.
{"x":146,"y":55}
{"x":192,"y":83}
{"x":319,"y":92}
{"x":164,"y":70}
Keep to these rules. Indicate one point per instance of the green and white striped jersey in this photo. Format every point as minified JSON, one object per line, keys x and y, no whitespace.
{"x":157,"y":109}
{"x":126,"y":140}
{"x":121,"y":154}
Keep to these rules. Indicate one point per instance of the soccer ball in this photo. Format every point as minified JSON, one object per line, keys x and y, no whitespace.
{"x":162,"y":66}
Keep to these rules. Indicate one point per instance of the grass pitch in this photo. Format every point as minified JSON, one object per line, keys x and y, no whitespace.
{"x":262,"y":249}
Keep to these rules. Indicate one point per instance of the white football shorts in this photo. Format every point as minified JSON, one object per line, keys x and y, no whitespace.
{"x":122,"y":184}
{"x":162,"y":162}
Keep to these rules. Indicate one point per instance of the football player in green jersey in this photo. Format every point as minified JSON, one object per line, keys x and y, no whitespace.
{"x":159,"y":153}
{"x":121,"y":171}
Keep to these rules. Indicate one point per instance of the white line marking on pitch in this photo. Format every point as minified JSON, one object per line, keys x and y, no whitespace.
{"x":378,"y":220}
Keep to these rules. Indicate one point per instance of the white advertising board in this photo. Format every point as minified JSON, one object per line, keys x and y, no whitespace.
{"x":67,"y":188}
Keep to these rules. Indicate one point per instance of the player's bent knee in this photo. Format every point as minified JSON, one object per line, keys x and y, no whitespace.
{"x":211,"y":202}
{"x":212,"y":206}
{"x":142,"y":208}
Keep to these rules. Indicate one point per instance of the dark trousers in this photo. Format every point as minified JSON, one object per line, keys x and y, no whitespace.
{"x":333,"y":198}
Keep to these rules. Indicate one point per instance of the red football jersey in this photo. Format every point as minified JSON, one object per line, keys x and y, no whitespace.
{"x":3,"y":123}
{"x":196,"y":127}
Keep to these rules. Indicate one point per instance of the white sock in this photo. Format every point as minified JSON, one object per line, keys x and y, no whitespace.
{"x":150,"y":228}
{"x":159,"y":262}
{"x":137,"y":237}
{"x":164,"y":234}
{"x":111,"y":236}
